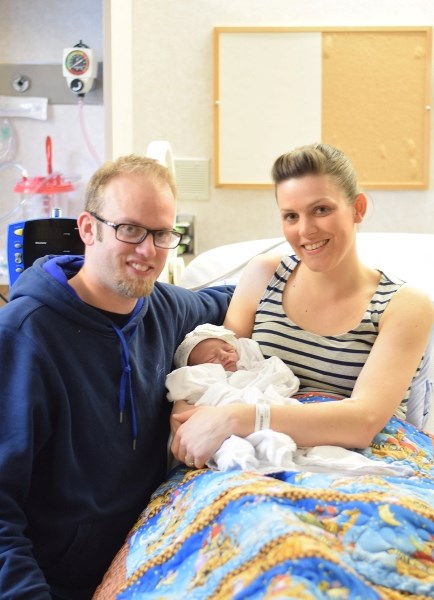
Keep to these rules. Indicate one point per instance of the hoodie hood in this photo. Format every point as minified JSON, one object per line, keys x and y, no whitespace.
{"x":47,"y":283}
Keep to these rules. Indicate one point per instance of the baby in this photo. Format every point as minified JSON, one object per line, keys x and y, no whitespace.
{"x":214,"y":367}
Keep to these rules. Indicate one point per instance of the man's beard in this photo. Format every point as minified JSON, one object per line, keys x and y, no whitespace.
{"x":135,"y":289}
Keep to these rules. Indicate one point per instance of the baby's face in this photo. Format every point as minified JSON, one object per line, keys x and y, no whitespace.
{"x":215,"y":351}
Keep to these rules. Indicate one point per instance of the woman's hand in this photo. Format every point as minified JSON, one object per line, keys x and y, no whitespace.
{"x":199,"y":432}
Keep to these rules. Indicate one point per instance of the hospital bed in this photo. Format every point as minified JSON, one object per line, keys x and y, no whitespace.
{"x":362,"y":530}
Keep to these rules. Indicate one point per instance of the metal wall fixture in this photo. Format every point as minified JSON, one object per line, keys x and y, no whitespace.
{"x":21,"y":83}
{"x":44,"y":81}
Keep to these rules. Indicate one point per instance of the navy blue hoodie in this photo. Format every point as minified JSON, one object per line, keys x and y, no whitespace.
{"x":71,"y":483}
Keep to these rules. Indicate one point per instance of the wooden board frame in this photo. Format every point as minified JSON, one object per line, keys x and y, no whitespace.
{"x":366,"y":90}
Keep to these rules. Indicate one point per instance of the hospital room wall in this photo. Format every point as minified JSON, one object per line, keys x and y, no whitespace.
{"x":172,"y":98}
{"x":159,"y":85}
{"x":35,"y":33}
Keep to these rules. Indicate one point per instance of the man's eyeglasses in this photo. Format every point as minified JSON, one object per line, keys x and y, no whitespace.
{"x":135,"y":234}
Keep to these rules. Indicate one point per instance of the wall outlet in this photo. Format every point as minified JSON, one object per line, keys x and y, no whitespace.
{"x":185,"y":225}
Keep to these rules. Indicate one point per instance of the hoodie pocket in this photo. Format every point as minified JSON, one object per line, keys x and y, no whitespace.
{"x":89,"y":555}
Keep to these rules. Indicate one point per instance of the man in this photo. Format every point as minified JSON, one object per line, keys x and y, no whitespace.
{"x":85,"y":347}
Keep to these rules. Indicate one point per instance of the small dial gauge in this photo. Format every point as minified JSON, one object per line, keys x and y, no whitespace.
{"x":77,"y":62}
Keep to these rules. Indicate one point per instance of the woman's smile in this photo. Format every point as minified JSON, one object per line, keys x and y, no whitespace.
{"x":315,"y":245}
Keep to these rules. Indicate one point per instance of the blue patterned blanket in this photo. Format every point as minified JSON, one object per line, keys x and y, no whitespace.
{"x":304,"y":535}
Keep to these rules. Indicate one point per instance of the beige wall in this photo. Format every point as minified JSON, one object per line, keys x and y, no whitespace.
{"x":159,"y":86}
{"x":173,"y":93}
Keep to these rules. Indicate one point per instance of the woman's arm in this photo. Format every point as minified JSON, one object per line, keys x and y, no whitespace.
{"x":240,"y":316}
{"x":404,"y":333}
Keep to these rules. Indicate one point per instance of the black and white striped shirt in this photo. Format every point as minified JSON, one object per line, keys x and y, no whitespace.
{"x":327,"y":364}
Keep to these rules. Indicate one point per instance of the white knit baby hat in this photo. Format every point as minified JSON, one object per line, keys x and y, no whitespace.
{"x":200,"y":333}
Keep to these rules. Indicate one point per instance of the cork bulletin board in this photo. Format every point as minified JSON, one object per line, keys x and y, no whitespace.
{"x":364,"y":90}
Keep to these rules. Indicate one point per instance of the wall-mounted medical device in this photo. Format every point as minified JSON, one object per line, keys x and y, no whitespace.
{"x":80,"y":68}
{"x":29,"y":240}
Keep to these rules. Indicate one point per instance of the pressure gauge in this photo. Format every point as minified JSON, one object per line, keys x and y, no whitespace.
{"x":77,"y":62}
{"x":79,"y":68}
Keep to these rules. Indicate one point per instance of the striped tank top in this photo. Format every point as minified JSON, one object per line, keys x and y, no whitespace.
{"x":327,"y":364}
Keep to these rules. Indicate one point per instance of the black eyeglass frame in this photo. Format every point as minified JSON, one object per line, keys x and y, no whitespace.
{"x":146,"y":232}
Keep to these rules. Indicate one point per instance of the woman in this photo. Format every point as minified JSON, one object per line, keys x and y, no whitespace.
{"x":347,"y":330}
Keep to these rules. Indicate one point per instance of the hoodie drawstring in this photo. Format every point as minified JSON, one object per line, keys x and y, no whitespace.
{"x":126,"y":385}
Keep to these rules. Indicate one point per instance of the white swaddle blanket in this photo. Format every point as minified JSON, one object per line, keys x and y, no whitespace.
{"x":268,"y":451}
{"x":269,"y":381}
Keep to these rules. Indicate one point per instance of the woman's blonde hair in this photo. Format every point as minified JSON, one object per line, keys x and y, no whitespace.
{"x":317,"y":159}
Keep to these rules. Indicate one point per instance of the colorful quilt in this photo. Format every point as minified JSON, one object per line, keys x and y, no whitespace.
{"x":302,"y":535}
